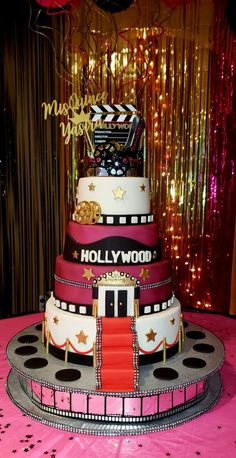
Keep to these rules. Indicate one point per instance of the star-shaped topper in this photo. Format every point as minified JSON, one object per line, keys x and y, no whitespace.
{"x":119,"y":193}
{"x":151,"y":335}
{"x":91,"y":187}
{"x":75,"y":254}
{"x":82,"y":338}
{"x":55,"y":319}
{"x":88,"y":273}
{"x":144,"y":274}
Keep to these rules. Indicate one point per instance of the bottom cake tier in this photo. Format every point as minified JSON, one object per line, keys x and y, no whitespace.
{"x":63,"y":395}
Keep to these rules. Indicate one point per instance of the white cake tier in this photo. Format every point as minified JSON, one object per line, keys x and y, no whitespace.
{"x":81,"y":330}
{"x":116,"y":196}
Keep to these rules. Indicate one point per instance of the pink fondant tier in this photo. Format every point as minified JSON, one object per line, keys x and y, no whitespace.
{"x":73,"y":282}
{"x":85,"y":233}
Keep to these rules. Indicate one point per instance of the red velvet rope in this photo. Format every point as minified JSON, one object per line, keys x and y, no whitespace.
{"x":72,"y":346}
{"x":160,"y":343}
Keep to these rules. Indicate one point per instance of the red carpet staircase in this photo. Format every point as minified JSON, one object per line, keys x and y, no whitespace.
{"x":117,"y":357}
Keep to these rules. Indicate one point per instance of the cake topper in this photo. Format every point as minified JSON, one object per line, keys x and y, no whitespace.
{"x":115,"y":149}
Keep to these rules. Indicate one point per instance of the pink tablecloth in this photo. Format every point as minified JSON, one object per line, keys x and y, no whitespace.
{"x":211,"y":435}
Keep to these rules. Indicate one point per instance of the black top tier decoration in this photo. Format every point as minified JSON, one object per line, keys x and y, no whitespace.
{"x":115,"y":141}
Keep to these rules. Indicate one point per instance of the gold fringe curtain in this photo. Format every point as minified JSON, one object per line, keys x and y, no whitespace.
{"x":32,"y":185}
{"x":167,"y":61}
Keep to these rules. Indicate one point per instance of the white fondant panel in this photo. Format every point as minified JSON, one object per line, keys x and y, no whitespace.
{"x":116,"y":196}
{"x":63,"y":325}
{"x":164,"y":324}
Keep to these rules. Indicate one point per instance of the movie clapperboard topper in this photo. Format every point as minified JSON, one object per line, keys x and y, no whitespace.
{"x":115,"y":140}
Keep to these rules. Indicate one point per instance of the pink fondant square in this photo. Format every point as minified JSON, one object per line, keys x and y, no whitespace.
{"x":62,"y":400}
{"x":132,"y":406}
{"x":191,"y":392}
{"x":178,"y":397}
{"x":200,"y":387}
{"x":79,"y":402}
{"x":165,"y":401}
{"x":36,"y":389}
{"x":114,"y":406}
{"x":96,"y":404}
{"x":47,"y":396}
{"x":150,"y":405}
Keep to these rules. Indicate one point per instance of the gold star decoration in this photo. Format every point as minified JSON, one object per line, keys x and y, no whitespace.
{"x":91,"y":187}
{"x":151,"y":335}
{"x":144,"y":274}
{"x":142,"y":187}
{"x":55,"y":320}
{"x":172,"y":321}
{"x":118,"y":193}
{"x":88,"y":273}
{"x":154,"y":254}
{"x":75,"y":254}
{"x":82,"y":338}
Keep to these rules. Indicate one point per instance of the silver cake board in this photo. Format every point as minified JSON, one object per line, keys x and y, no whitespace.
{"x":148,"y":385}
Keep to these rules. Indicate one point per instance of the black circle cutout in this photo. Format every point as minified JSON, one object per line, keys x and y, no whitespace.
{"x":195,"y":335}
{"x":26,"y":350}
{"x":194,"y":363}
{"x":204,"y":348}
{"x":165,"y":373}
{"x":28,"y":338}
{"x":38,"y":327}
{"x":68,"y":375}
{"x":35,"y":363}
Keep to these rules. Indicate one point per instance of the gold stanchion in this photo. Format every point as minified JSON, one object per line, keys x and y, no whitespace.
{"x":180,"y":340}
{"x":47,"y":342}
{"x":43,"y":331}
{"x":182,"y":327}
{"x":164,"y":349}
{"x":95,"y":308}
{"x":94,"y":355}
{"x":136,"y":308}
{"x":66,"y":350}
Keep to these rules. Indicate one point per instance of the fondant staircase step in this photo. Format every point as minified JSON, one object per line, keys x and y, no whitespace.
{"x":116,"y":324}
{"x":117,"y":379}
{"x":118,"y":357}
{"x":117,"y":340}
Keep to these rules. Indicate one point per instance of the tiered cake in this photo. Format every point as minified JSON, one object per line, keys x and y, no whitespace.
{"x":113,"y":299}
{"x":102,"y":360}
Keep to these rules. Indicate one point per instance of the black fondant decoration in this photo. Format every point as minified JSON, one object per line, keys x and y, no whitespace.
{"x":26,"y":350}
{"x":28,"y":338}
{"x":111,"y":250}
{"x":68,"y":375}
{"x":195,"y":335}
{"x":113,"y":6}
{"x":38,"y":327}
{"x":35,"y":363}
{"x":194,"y":363}
{"x":204,"y":348}
{"x":165,"y":373}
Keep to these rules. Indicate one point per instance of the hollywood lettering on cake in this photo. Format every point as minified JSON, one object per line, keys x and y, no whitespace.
{"x":111,"y":250}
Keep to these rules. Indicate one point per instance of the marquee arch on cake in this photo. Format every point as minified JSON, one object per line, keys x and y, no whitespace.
{"x":116,"y":294}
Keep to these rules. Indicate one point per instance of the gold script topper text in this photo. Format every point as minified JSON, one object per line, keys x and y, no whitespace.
{"x":78,"y":121}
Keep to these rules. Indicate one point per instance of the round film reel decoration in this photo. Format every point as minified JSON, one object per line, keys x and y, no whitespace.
{"x":87,"y":212}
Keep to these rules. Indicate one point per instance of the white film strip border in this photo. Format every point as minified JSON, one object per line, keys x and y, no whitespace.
{"x":126,"y":219}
